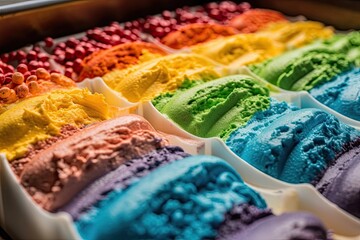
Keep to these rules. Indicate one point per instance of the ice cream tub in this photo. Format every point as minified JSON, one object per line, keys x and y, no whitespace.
{"x":37,"y":223}
{"x":307,"y":197}
{"x":281,"y":197}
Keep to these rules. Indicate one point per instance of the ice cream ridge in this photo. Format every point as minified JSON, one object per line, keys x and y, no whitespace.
{"x":256,"y":19}
{"x":296,"y":34}
{"x":328,"y":70}
{"x":42,"y":117}
{"x":195,"y":33}
{"x":304,"y":68}
{"x":293,"y":145}
{"x":215,"y":108}
{"x":121,"y":178}
{"x":349,"y":44}
{"x":341,"y":94}
{"x":246,"y":49}
{"x":118,"y":57}
{"x":165,"y":74}
{"x":240,"y":49}
{"x":192,"y":34}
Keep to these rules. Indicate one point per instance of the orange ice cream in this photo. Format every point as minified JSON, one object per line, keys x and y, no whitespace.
{"x":118,"y":57}
{"x":196,"y":33}
{"x":255,"y":19}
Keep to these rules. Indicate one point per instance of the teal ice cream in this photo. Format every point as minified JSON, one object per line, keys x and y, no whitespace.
{"x":198,"y":197}
{"x":215,"y":108}
{"x":187,"y":199}
{"x":304,"y":68}
{"x":292,"y":145}
{"x":342,"y":94}
{"x":304,"y":146}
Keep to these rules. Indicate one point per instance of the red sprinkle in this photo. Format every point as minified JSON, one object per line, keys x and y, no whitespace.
{"x":22,"y":68}
{"x":49,"y":42}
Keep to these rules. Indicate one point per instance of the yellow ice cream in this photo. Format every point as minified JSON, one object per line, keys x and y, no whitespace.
{"x":147,"y":80}
{"x":41,"y":117}
{"x":240,"y":49}
{"x":296,"y":34}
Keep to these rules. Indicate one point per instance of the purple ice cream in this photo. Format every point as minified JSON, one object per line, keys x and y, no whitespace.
{"x":341,"y":181}
{"x":120,"y":179}
{"x":288,"y":226}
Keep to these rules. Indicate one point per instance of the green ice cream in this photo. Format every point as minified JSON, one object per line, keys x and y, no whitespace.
{"x":160,"y":101}
{"x":304,"y":68}
{"x":216,"y":108}
{"x":348,"y":44}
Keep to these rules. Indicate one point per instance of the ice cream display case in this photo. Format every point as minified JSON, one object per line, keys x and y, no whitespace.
{"x":179,"y":119}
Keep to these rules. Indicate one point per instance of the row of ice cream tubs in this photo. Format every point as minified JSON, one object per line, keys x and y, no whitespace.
{"x":209,"y":122}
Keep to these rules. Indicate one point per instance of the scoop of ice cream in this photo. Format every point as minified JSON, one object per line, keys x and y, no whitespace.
{"x":118,"y":57}
{"x":192,"y":34}
{"x":255,"y":19}
{"x":58,"y":173}
{"x":160,"y":101}
{"x":287,"y":226}
{"x":88,"y":201}
{"x":186,"y":199}
{"x":348,"y":44}
{"x":239,"y":139}
{"x":341,"y":94}
{"x":304,"y":68}
{"x":218,"y":107}
{"x":147,"y":80}
{"x":296,"y":34}
{"x":341,"y":181}
{"x":240,"y":49}
{"x":295,"y":146}
{"x":41,"y":117}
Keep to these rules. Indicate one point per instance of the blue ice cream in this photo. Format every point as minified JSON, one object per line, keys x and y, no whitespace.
{"x":341,"y":94}
{"x":295,"y":146}
{"x":187,"y":199}
{"x":198,"y":197}
{"x":303,"y":146}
